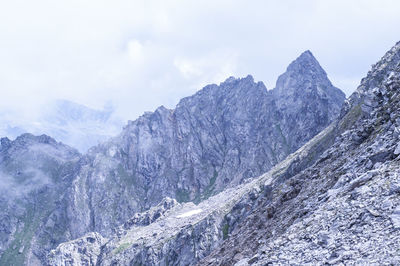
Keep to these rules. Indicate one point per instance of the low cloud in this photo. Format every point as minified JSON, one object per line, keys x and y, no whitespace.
{"x":22,"y":182}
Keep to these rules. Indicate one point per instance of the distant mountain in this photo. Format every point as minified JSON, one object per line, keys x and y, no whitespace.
{"x":73,"y":124}
{"x":35,"y":173}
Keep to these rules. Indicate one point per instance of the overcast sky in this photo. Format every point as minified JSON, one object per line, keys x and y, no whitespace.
{"x":142,"y":54}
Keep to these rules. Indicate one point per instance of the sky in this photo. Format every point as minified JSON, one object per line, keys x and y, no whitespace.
{"x":138,"y":55}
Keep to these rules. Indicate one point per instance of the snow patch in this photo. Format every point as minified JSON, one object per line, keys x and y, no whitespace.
{"x":189,"y":213}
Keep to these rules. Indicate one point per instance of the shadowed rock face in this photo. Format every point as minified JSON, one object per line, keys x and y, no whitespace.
{"x":216,"y":139}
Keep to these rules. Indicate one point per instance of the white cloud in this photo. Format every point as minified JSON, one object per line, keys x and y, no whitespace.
{"x":135,"y":50}
{"x":187,"y":68}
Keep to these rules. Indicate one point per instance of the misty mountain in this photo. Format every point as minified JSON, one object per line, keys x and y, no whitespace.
{"x":74,"y":124}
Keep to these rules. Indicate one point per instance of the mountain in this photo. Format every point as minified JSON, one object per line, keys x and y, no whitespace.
{"x":74,"y":124}
{"x":306,"y":98}
{"x":220,"y":138}
{"x":35,"y":172}
{"x":344,"y":209}
{"x":333,"y":201}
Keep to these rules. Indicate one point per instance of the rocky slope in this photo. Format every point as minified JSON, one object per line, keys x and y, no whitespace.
{"x":334,"y":201}
{"x":218,"y":138}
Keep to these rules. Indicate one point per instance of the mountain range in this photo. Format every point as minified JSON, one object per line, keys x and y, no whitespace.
{"x":234,"y":175}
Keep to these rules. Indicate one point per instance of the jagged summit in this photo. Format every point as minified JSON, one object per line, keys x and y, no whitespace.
{"x":249,"y":78}
{"x":27,"y":139}
{"x":306,"y":64}
{"x":232,"y":91}
{"x":305,"y":77}
{"x":306,"y":57}
{"x":231,"y":87}
{"x":298,"y":93}
{"x":305,"y":71}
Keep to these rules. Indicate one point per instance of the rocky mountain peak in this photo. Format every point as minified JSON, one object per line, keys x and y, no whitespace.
{"x":307,"y":65}
{"x":305,"y":75}
{"x":302,"y":94}
{"x":344,"y":208}
{"x":306,"y":57}
{"x":232,"y":80}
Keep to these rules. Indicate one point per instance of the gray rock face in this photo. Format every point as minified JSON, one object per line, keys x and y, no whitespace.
{"x":306,"y":98}
{"x":82,"y":251}
{"x":217,"y":139}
